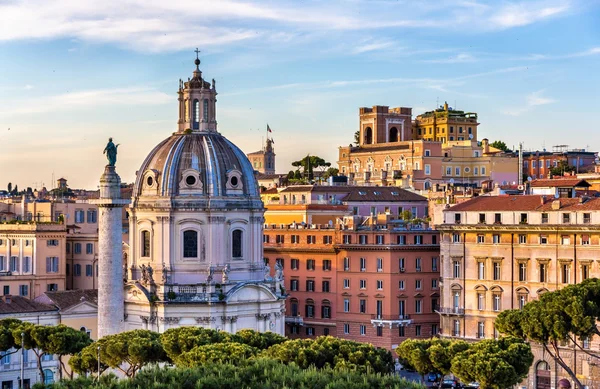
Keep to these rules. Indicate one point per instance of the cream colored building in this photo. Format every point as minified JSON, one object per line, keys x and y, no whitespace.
{"x":499,"y":252}
{"x":32,"y":258}
{"x":389,"y":153}
{"x":80,"y":219}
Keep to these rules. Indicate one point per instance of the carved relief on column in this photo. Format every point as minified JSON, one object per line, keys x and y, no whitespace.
{"x":170,"y":320}
{"x":229,"y":319}
{"x":205,"y":320}
{"x":257,"y":219}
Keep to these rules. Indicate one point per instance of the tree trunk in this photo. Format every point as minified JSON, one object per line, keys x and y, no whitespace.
{"x":39,"y":361}
{"x":562,"y":364}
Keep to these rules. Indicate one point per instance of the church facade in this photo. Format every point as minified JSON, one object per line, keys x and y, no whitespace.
{"x":196,"y":223}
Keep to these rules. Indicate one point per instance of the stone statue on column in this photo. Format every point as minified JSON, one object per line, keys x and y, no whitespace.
{"x":267,"y":271}
{"x":225,"y":277}
{"x":278,"y":271}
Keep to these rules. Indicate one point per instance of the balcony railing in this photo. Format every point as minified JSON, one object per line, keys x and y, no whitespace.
{"x":451,"y":311}
{"x":294,"y":320}
{"x":390,"y":320}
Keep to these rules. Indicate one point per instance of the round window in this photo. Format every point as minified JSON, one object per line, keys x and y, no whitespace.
{"x":190,"y":180}
{"x":234,"y":181}
{"x":467,"y":170}
{"x":149,"y":181}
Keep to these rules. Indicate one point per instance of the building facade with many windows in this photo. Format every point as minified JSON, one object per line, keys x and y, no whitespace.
{"x":376,"y":283}
{"x":499,"y":252}
{"x":32,"y":258}
{"x":389,"y":151}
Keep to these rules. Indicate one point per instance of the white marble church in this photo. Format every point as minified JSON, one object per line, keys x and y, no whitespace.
{"x":196,"y":218}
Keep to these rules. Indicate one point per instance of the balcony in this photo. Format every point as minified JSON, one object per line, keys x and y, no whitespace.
{"x":390,"y":320}
{"x":298,"y":320}
{"x":451,"y":311}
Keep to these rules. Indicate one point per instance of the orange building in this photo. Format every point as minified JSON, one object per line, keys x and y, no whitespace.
{"x":376,"y":283}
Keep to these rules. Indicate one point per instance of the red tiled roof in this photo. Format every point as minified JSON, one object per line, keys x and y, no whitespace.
{"x":269,"y":191}
{"x":68,"y":298}
{"x":526,"y":203}
{"x":360,"y":193}
{"x":20,"y":304}
{"x":559,"y":182}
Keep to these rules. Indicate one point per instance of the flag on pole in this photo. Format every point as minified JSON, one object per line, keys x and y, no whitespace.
{"x":268,"y":128}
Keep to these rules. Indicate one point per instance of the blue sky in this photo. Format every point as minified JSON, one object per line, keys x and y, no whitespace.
{"x":73,"y":73}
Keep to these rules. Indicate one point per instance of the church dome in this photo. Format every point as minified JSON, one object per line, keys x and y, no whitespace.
{"x":199,"y":164}
{"x":196,"y":166}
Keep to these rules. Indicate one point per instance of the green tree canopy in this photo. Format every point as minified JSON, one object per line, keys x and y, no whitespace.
{"x":259,"y":340}
{"x":257,"y":373}
{"x":62,"y":340}
{"x":7,"y":340}
{"x":500,"y":145}
{"x":127,"y":351}
{"x":327,"y":351}
{"x":230,"y":352}
{"x":357,"y":138}
{"x":309,"y":163}
{"x":177,"y":341}
{"x":495,"y":364}
{"x":561,"y":168}
{"x":570,"y":314}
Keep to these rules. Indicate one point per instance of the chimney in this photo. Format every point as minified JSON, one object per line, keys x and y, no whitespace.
{"x":543,"y":198}
{"x":556,"y":205}
{"x":7,"y":298}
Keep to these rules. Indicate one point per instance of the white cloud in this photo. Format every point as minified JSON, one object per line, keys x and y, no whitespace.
{"x":459,"y":58}
{"x":157,"y":25}
{"x":372,"y":46}
{"x":527,"y":12}
{"x":88,"y":99}
{"x":532,"y":100}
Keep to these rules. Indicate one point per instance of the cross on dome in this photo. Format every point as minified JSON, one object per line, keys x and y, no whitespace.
{"x":197,"y":61}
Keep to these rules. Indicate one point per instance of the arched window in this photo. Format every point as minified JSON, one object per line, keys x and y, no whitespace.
{"x":48,"y":376}
{"x":325,"y":309}
{"x":393,"y":134}
{"x":196,"y":118}
{"x":190,"y":244}
{"x":236,"y":243}
{"x":205,"y":111}
{"x":368,"y":135}
{"x":145,"y":243}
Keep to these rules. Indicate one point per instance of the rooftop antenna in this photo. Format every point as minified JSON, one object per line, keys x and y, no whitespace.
{"x":455,"y":105}
{"x":437,"y":102}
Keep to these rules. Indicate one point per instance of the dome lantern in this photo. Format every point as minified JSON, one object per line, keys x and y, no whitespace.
{"x":197,"y":103}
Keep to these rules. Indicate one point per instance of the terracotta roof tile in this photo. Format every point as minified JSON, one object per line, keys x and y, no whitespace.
{"x":68,"y":298}
{"x":526,"y":203}
{"x":20,"y":304}
{"x":559,"y":182}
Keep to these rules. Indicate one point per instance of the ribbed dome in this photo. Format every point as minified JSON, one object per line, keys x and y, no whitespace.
{"x":199,"y":164}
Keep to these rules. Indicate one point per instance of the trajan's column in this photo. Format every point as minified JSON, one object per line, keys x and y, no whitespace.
{"x":110,"y":262}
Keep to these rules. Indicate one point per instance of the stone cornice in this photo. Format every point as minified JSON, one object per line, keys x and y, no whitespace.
{"x":518,"y":228}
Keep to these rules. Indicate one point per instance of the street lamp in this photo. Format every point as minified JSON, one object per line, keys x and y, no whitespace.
{"x":22,"y":358}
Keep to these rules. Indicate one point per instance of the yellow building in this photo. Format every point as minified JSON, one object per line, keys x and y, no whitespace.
{"x":499,"y":252}
{"x":445,"y":125}
{"x":32,"y":258}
